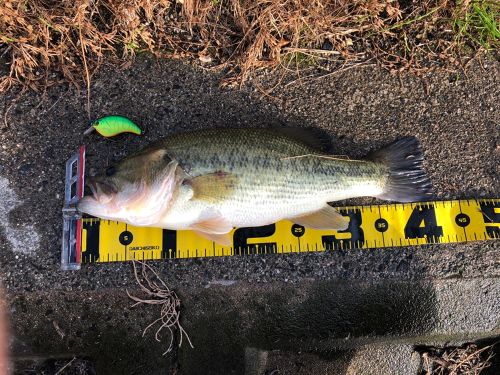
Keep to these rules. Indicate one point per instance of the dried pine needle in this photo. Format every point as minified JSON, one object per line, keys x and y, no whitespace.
{"x":468,"y":359}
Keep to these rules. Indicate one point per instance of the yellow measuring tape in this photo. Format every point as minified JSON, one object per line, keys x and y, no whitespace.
{"x":371,"y":226}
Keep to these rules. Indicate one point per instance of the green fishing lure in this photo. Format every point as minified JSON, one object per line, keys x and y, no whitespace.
{"x":110,"y":126}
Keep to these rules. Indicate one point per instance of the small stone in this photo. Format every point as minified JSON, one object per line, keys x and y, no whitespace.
{"x":25,"y":169}
{"x":327,"y":46}
{"x":205,"y":59}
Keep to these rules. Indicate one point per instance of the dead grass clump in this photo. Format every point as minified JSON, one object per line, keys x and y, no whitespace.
{"x":302,"y":34}
{"x":158,"y":293}
{"x":466,"y":360}
{"x":44,"y":40}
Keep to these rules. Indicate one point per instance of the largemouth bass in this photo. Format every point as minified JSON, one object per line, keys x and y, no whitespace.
{"x":211,"y":181}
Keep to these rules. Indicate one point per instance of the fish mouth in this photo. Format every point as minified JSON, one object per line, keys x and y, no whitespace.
{"x":102,"y":191}
{"x":98,"y":197}
{"x":90,"y":190}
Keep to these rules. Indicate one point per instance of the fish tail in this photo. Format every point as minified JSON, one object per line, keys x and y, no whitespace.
{"x":407,"y":180}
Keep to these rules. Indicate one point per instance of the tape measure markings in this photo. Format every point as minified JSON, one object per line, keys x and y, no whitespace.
{"x":372,"y":226}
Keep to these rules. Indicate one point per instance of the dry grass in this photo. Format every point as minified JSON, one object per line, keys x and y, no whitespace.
{"x":45,"y":41}
{"x":466,"y":360}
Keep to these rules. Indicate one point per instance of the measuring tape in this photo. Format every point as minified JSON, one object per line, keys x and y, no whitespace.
{"x":90,"y":240}
{"x":372,"y":226}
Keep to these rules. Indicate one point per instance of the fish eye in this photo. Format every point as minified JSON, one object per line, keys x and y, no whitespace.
{"x":110,"y":171}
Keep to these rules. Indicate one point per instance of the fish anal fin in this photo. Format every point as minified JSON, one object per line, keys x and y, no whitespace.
{"x":213,"y":187}
{"x":326,"y":218}
{"x":223,"y":239}
{"x":215,"y":225}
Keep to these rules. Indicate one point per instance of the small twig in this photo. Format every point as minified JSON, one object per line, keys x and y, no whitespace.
{"x":334,"y":72}
{"x":160,"y":295}
{"x":311,"y":51}
{"x":471,"y":356}
{"x":6,"y":50}
{"x":6,"y":114}
{"x":466,"y":360}
{"x":87,"y":76}
{"x":66,"y":365}
{"x":439,"y":361}
{"x":485,"y":215}
{"x":54,"y":104}
{"x":58,"y":329}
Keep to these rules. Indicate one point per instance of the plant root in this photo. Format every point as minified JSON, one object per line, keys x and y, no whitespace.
{"x":158,"y":293}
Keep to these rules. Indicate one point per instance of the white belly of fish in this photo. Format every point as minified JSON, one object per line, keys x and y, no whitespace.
{"x":262,"y":214}
{"x":184,"y":213}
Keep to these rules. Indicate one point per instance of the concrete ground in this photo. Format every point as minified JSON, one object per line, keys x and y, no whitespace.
{"x":342,"y":312}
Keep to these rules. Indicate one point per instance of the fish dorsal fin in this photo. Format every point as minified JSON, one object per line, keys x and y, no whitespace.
{"x":156,"y":155}
{"x":223,"y":239}
{"x":148,"y":155}
{"x":213,"y":187}
{"x":311,"y":137}
{"x":215,"y":224}
{"x":326,"y":218}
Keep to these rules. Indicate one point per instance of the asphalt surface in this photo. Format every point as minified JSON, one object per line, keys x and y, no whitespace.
{"x":456,"y":118}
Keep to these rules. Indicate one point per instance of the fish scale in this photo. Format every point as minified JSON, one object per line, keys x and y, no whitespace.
{"x":288,"y":183}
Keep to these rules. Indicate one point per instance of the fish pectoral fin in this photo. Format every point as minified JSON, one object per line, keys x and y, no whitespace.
{"x":223,"y":239}
{"x":213,"y":187}
{"x":326,"y":218}
{"x":215,"y":224}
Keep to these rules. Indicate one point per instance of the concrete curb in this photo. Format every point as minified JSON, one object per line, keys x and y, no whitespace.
{"x":316,"y":317}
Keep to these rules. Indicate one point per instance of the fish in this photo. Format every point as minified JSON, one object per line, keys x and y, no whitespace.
{"x":214,"y":180}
